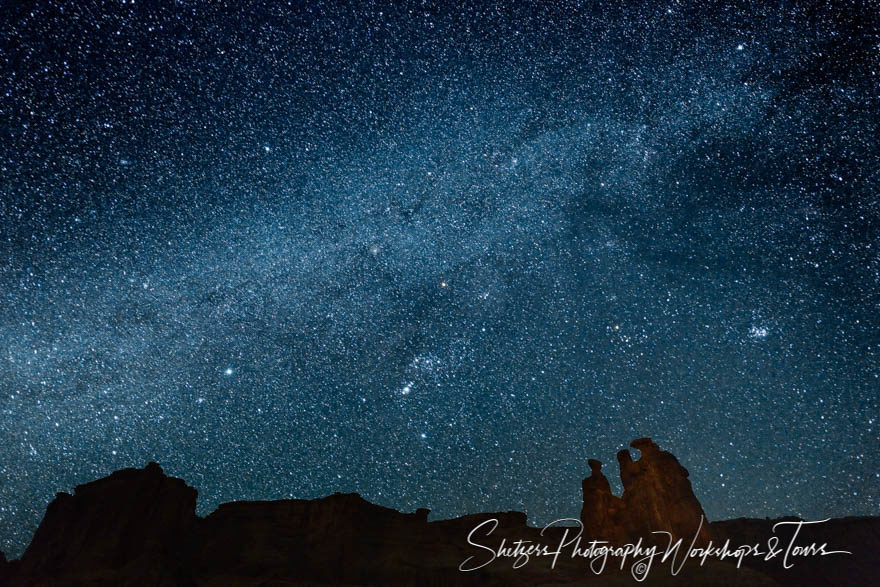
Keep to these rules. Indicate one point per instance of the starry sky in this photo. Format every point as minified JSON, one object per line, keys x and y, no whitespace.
{"x":440,"y":255}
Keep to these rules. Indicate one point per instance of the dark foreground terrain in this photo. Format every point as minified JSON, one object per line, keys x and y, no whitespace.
{"x":139,"y":527}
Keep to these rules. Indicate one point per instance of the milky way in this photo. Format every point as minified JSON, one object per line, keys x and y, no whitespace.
{"x":440,"y":256}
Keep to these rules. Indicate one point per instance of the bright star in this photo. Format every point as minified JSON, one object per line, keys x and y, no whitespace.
{"x":758,"y":332}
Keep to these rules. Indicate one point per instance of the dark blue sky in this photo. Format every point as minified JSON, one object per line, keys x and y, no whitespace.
{"x":440,"y":256}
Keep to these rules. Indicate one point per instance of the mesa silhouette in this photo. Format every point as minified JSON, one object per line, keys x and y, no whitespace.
{"x":139,"y":527}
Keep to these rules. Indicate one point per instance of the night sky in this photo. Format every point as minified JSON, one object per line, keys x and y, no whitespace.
{"x":440,"y":256}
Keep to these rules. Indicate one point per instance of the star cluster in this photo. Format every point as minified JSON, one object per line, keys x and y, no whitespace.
{"x":440,"y":255}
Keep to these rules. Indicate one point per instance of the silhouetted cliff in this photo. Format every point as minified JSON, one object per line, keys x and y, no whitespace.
{"x":138,"y":527}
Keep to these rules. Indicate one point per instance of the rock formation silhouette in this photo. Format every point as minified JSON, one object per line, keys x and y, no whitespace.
{"x":601,"y":513}
{"x":657,"y":496}
{"x":131,"y":523}
{"x":139,"y":527}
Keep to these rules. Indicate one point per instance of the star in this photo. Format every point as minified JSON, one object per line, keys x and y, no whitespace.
{"x":757,"y":332}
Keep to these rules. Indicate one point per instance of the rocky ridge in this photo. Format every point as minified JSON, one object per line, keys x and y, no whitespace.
{"x":139,"y":527}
